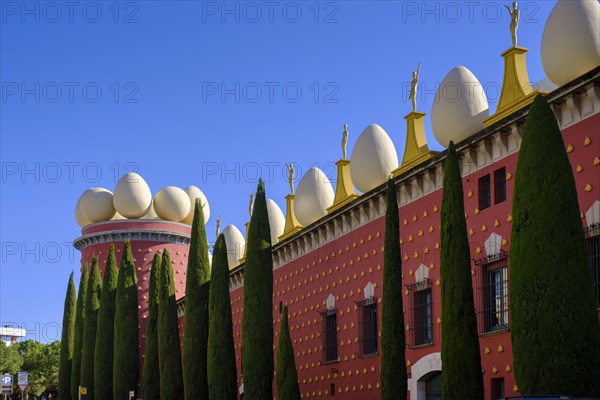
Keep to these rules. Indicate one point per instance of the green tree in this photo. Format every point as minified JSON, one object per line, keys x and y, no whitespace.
{"x":78,"y":340}
{"x":222,"y":373}
{"x":462,"y":377}
{"x":66,"y":347}
{"x":196,"y":316}
{"x":103,"y":353}
{"x":555,"y":331}
{"x":41,"y":361}
{"x":10,"y":359}
{"x":169,"y":349}
{"x":257,"y":322}
{"x":393,"y":352}
{"x":287,"y":375}
{"x":94,"y":292}
{"x":151,"y":374}
{"x":126,"y":360}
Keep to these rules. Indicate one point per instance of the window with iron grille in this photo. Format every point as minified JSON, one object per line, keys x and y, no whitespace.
{"x":484,"y":192}
{"x":593,"y":245}
{"x":499,"y":185}
{"x":367,"y":325}
{"x":330,"y":336}
{"x":493,"y":294}
{"x":421,"y":314}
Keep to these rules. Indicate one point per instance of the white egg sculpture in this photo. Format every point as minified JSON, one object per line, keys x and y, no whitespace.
{"x":313,"y":196}
{"x":276,"y":220}
{"x":193,"y":193}
{"x":235,"y":245}
{"x":172,"y":203}
{"x":151,"y":214}
{"x":96,"y":204}
{"x":132,"y":197}
{"x":571,"y":40}
{"x":79,"y":217}
{"x":373,"y":158}
{"x":459,"y":107}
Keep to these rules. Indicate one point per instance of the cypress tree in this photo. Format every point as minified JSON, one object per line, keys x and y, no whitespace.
{"x":151,"y":374}
{"x":393,"y":354}
{"x":169,"y":350}
{"x":66,"y":342}
{"x":257,"y":322}
{"x":196,"y":316}
{"x":222,"y":373}
{"x":103,"y":354}
{"x":94,"y":292}
{"x":78,"y":340}
{"x":555,"y":331}
{"x":462,"y":377}
{"x":126,"y":360}
{"x":287,"y":375}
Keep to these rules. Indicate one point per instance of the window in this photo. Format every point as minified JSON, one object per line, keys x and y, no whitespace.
{"x":421,"y":314}
{"x":497,"y":389}
{"x":493,"y":294}
{"x":499,"y":185}
{"x":433,"y":387}
{"x":368,"y":326}
{"x":593,"y":245}
{"x":332,"y":389}
{"x":330,"y":336}
{"x":484,"y":192}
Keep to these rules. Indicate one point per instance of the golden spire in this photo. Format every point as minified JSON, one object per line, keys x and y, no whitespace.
{"x":291,"y":223}
{"x":344,"y":189}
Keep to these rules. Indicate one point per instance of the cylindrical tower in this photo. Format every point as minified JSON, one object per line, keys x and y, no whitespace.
{"x":147,"y":238}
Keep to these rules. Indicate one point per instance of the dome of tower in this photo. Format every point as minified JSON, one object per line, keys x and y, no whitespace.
{"x":459,"y":108}
{"x":313,"y":195}
{"x":373,"y":158}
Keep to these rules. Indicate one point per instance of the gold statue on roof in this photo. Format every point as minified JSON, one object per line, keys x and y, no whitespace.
{"x":514,"y":21}
{"x":251,"y":204}
{"x":291,"y":174}
{"x":344,"y":141}
{"x":413,"y":88}
{"x":218,"y":226}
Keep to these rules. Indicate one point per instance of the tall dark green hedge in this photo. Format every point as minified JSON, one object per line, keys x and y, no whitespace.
{"x":287,"y":375}
{"x":94,"y":292}
{"x":151,"y":373}
{"x":196,"y":311}
{"x":462,"y":377}
{"x":126,"y":360}
{"x":103,"y":355}
{"x":169,"y":350}
{"x":222,"y":373}
{"x":66,"y":342}
{"x":393,"y":352}
{"x":257,"y":322}
{"x":78,"y":340}
{"x":554,"y":324}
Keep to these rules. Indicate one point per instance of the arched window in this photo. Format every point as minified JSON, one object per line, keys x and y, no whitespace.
{"x":433,"y":389}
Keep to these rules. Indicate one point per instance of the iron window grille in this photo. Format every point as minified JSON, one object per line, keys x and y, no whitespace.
{"x":499,"y":185}
{"x":592,"y":234}
{"x":330,"y":344}
{"x":492,"y":298}
{"x":484,"y":192}
{"x":420,"y":325}
{"x":367,"y":326}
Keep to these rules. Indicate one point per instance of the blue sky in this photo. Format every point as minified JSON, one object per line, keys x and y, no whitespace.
{"x":210,"y":94}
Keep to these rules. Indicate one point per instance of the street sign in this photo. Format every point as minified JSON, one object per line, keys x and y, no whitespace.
{"x":23,"y":380}
{"x":7,"y":384}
